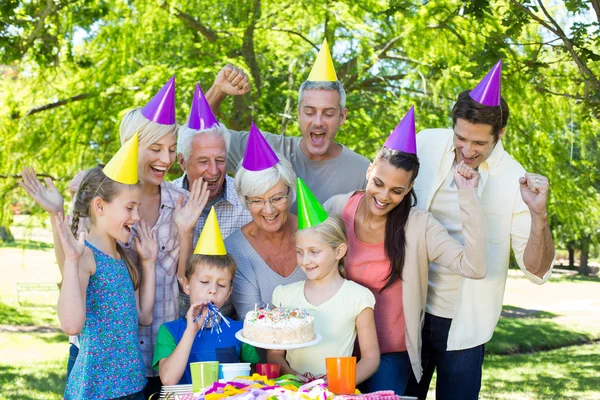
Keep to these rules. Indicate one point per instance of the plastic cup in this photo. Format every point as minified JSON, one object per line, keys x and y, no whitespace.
{"x":229,"y":371}
{"x":204,"y":374}
{"x":341,"y":374}
{"x":271,"y":371}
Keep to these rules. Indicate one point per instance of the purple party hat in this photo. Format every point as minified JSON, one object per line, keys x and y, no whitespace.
{"x":404,"y":137}
{"x":161,"y":108}
{"x":201,"y":116}
{"x":487,"y":92}
{"x":259,"y":155}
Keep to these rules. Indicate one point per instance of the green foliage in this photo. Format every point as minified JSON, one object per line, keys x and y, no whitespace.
{"x":13,"y":316}
{"x":72,"y":69}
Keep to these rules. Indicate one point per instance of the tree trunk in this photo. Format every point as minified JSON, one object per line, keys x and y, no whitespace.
{"x":5,"y":235}
{"x":571,"y":256}
{"x":584,"y":269}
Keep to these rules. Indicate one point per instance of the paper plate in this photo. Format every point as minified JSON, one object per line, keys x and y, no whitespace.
{"x":273,"y":346}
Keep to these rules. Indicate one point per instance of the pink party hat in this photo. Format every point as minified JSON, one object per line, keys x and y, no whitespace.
{"x":259,"y":155}
{"x":487,"y":92}
{"x":161,"y":108}
{"x":404,"y":137}
{"x":201,"y":116}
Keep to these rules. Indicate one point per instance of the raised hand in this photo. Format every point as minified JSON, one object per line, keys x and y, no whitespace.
{"x":48,"y":197}
{"x":534,"y":191}
{"x":187,"y":216}
{"x":76,"y":182}
{"x":232,"y":81}
{"x":193,"y":312}
{"x":145,"y":243}
{"x":465,"y":176}
{"x":73,"y":248}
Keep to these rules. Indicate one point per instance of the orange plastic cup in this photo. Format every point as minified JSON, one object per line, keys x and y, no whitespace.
{"x":341,"y":374}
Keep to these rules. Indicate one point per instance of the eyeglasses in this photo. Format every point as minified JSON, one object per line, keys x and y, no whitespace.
{"x":275,"y":201}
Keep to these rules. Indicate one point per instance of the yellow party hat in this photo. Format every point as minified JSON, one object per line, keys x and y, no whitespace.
{"x":322,"y":69}
{"x":210,"y":242}
{"x":123,"y":167}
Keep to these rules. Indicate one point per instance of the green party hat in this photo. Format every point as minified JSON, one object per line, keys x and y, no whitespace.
{"x":310,"y":211}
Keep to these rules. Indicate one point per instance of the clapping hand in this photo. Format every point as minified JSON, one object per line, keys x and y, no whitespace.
{"x":145,"y":243}
{"x":48,"y":197}
{"x":187,"y":216}
{"x":73,"y":248}
{"x":465,"y":176}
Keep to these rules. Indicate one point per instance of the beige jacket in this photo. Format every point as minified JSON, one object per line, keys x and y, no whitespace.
{"x":427,"y":240}
{"x":508,"y":224}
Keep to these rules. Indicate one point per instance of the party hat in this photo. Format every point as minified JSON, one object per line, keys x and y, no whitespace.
{"x":201,"y":116}
{"x":161,"y":108}
{"x":404,"y":137}
{"x":310,"y":211}
{"x":259,"y":155}
{"x":487,"y":92}
{"x":211,"y":242}
{"x":322,"y":69}
{"x":123,"y":167}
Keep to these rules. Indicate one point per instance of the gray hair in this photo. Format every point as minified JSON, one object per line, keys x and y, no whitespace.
{"x":323,"y":85}
{"x":186,"y":136}
{"x":149,"y":131}
{"x":257,"y":183}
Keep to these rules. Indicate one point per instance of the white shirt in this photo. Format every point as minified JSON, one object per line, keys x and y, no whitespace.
{"x":443,"y":285}
{"x":479,"y":302}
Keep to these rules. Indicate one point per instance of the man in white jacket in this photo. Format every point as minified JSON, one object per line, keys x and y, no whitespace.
{"x":461,"y":314}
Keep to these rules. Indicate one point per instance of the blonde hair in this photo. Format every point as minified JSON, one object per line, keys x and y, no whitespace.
{"x":212,"y":261}
{"x":332,"y":231}
{"x":96,"y":184}
{"x":149,"y":131}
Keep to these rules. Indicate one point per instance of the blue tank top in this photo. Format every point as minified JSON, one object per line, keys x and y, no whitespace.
{"x":110,"y":362}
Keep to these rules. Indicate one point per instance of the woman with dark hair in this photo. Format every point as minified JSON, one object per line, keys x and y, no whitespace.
{"x":390,"y":245}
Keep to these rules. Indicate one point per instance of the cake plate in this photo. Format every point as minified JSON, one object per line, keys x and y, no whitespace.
{"x":272,"y":346}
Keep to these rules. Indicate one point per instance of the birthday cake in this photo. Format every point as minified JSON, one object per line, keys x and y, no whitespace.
{"x":279,"y":326}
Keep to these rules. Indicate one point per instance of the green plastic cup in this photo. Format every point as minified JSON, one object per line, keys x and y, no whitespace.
{"x":204,"y":374}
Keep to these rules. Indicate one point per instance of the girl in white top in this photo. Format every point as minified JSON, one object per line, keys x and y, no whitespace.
{"x":342,"y":309}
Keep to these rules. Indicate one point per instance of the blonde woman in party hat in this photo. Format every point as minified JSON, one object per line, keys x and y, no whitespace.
{"x":391,"y":244}
{"x":342,"y":309}
{"x":104,"y":296}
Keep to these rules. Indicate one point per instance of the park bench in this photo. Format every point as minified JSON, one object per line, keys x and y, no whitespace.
{"x":24,"y":289}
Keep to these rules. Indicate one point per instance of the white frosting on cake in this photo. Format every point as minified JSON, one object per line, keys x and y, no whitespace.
{"x":279,"y":326}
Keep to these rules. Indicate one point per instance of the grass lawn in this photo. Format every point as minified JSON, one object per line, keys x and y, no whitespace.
{"x":568,"y":373}
{"x":561,"y":313}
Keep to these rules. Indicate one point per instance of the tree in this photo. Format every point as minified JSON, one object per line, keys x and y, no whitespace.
{"x":61,"y":99}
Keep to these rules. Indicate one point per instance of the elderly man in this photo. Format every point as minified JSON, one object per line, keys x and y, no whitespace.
{"x":202,"y":153}
{"x":461,"y":314}
{"x":327,"y":167}
{"x":202,"y":146}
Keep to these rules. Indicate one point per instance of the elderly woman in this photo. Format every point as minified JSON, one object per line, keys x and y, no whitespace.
{"x":264,"y":248}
